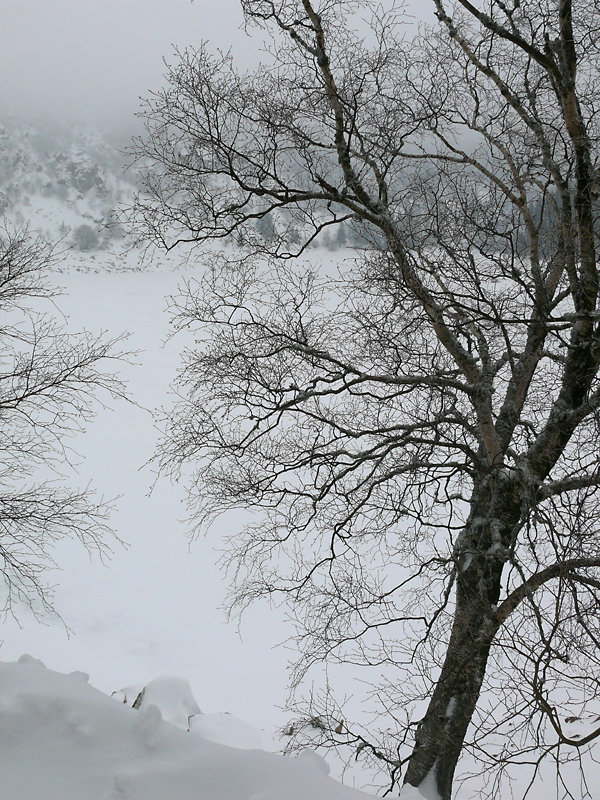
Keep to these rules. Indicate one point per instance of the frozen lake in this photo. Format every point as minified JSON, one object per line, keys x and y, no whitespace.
{"x":155,"y":608}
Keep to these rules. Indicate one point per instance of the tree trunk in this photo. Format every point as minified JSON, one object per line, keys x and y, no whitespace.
{"x":441,"y":733}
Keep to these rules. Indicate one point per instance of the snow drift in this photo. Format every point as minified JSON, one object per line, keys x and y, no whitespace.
{"x":60,"y":739}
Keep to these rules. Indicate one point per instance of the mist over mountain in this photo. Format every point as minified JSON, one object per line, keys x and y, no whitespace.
{"x":68,"y":184}
{"x":64,"y":183}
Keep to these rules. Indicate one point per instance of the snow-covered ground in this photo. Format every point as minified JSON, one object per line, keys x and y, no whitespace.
{"x":63,"y":740}
{"x":155,"y":608}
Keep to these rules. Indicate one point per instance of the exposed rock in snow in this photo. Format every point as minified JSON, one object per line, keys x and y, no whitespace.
{"x":129,"y":694}
{"x":173,"y":697}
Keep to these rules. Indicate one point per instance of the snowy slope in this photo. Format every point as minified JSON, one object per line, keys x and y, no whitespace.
{"x":65,"y":184}
{"x":60,"y":739}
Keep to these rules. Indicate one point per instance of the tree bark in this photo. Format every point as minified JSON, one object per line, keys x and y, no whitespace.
{"x":442,"y":731}
{"x":480,"y":555}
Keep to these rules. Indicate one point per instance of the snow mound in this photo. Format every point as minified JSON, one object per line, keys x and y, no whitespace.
{"x":426,"y":791}
{"x":231,"y":731}
{"x":61,"y":739}
{"x":171,"y":695}
{"x":313,"y":761}
{"x":177,"y":704}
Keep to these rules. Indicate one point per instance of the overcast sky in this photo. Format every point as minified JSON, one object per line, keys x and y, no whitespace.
{"x":92,"y":59}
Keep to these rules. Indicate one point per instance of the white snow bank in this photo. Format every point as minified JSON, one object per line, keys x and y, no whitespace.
{"x":426,"y":791}
{"x":60,"y":739}
{"x":412,"y":793}
{"x":177,"y":705}
{"x":229,"y":730}
{"x":173,"y":696}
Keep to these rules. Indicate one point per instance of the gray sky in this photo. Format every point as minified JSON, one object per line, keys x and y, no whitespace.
{"x":92,"y":59}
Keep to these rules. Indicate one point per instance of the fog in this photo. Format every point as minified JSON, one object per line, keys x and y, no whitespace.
{"x":90,"y":60}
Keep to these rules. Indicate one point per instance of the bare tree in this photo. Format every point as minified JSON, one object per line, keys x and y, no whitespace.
{"x":49,"y":381}
{"x":419,"y":434}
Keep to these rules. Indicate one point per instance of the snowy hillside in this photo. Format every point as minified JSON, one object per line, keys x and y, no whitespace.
{"x":63,"y":740}
{"x":69,"y":185}
{"x":66,"y":184}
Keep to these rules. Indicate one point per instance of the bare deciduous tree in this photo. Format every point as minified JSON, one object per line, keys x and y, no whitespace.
{"x":421,"y":432}
{"x":49,"y":381}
